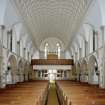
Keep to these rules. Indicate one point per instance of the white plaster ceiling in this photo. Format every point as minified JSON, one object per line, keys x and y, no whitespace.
{"x":52,"y":18}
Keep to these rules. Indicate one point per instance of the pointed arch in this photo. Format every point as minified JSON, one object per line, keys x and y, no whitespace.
{"x":26,"y":70}
{"x":78,"y":70}
{"x":11,"y":69}
{"x":93,"y":70}
{"x":20,"y":70}
{"x":84,"y":71}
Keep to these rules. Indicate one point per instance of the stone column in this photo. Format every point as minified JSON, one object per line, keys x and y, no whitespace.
{"x":102,"y":28}
{"x":102,"y":74}
{"x":2,"y":66}
{"x":103,"y":58}
{"x":2,"y":27}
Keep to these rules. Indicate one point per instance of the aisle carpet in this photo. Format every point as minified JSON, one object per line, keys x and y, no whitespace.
{"x":52,"y":96}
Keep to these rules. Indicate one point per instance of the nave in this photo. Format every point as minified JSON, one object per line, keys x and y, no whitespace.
{"x":52,"y":52}
{"x":52,"y":95}
{"x":63,"y":92}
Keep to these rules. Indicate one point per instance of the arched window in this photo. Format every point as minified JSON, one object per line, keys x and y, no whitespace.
{"x":58,"y":50}
{"x":18,"y":48}
{"x":11,"y":37}
{"x":86,"y":48}
{"x":2,"y":27}
{"x":95,"y":40}
{"x":46,"y":50}
{"x":80,"y":51}
{"x":24,"y":52}
{"x":9,"y":40}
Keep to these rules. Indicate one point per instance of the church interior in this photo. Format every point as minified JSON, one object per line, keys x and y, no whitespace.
{"x":52,"y":52}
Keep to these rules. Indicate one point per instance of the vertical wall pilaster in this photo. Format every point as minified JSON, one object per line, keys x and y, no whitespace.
{"x":102,"y":28}
{"x":102,"y":65}
{"x":2,"y":64}
{"x":102,"y":75}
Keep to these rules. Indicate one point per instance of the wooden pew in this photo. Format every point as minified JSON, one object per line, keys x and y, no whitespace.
{"x":75,"y":93}
{"x":28,"y":93}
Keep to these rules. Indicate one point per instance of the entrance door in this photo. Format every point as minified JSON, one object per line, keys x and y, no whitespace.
{"x":52,"y":75}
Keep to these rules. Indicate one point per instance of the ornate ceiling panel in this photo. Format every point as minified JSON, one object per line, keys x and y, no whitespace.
{"x":52,"y":18}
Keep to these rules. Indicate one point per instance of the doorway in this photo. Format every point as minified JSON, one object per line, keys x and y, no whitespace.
{"x":52,"y":75}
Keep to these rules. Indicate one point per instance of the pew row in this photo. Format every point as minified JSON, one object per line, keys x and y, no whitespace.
{"x":76,"y":93}
{"x":28,"y":93}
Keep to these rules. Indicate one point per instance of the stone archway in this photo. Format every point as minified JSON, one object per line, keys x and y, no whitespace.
{"x":74,"y":73}
{"x":11,"y":72}
{"x":84,"y":71}
{"x":26,"y":71}
{"x":31,"y":73}
{"x":78,"y":71}
{"x":93,"y":70}
{"x":20,"y":71}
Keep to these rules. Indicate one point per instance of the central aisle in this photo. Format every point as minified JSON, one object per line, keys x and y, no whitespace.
{"x":52,"y":96}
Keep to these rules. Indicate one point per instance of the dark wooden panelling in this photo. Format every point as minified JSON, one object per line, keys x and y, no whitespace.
{"x":52,"y":62}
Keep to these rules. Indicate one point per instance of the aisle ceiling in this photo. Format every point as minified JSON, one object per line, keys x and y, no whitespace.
{"x":52,"y":18}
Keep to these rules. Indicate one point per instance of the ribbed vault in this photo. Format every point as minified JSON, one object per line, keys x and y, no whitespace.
{"x":52,"y":18}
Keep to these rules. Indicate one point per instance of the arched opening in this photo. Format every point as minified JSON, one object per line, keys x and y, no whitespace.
{"x":84,"y":71}
{"x":74,"y":73}
{"x":26,"y":71}
{"x":78,"y":71}
{"x":20,"y":71}
{"x":11,"y":73}
{"x":30,"y":73}
{"x":93,"y":70}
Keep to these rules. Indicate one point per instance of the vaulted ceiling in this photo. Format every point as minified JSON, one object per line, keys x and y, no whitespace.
{"x":52,"y":18}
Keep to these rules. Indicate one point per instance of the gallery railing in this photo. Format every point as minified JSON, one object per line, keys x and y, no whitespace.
{"x":52,"y":62}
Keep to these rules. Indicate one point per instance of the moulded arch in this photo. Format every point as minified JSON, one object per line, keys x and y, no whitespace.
{"x":13,"y":61}
{"x":93,"y":70}
{"x":84,"y":71}
{"x":20,"y":70}
{"x":12,"y":69}
{"x":26,"y":70}
{"x":92,"y":60}
{"x":78,"y":70}
{"x":84,"y":66}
